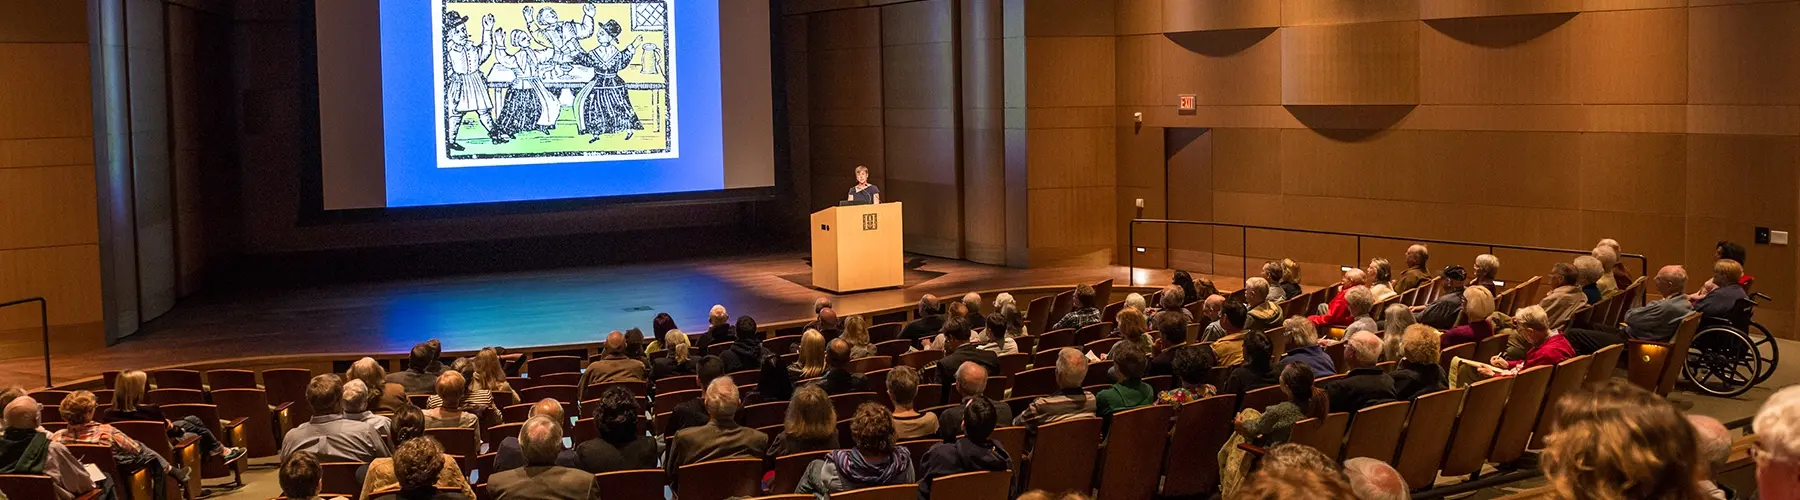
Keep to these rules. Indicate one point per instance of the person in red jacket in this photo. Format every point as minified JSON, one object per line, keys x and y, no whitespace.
{"x":1337,"y":313}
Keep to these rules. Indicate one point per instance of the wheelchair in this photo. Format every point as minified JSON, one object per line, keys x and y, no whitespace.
{"x":1731,"y":355}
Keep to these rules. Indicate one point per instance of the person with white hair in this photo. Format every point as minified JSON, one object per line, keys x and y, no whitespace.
{"x":1658,"y":320}
{"x":356,"y":407}
{"x":1261,"y":313}
{"x":721,"y":437}
{"x":1417,"y":257}
{"x":1714,"y":445}
{"x":1777,"y":448}
{"x":541,"y":440}
{"x":1487,"y":272}
{"x":1621,"y":277}
{"x":1337,"y":312}
{"x":26,"y":450}
{"x":1381,"y":278}
{"x":972,"y":301}
{"x":1587,"y":277}
{"x":1608,"y":258}
{"x":1373,"y":479}
{"x":1272,"y":275}
{"x":1070,"y":401}
{"x":1304,"y":339}
{"x":1136,"y":301}
{"x":718,"y":329}
{"x":1365,"y":384}
{"x":1361,"y":300}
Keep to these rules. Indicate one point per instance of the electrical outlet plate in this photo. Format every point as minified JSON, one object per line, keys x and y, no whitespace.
{"x":1778,"y":237}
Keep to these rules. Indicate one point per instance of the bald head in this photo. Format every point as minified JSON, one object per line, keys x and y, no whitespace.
{"x":971,"y":379}
{"x":22,"y":413}
{"x":1714,"y":440}
{"x":1364,"y":349}
{"x":548,"y":408}
{"x":1373,"y":479}
{"x":821,"y":303}
{"x":973,"y":301}
{"x":837,"y":352}
{"x":1214,"y":303}
{"x":541,"y":440}
{"x":828,"y":318}
{"x":615,"y":342}
{"x":1671,"y":281}
{"x":1071,"y":368}
{"x":1355,"y":277}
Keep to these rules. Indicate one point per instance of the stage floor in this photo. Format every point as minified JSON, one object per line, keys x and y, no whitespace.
{"x":557,"y":306}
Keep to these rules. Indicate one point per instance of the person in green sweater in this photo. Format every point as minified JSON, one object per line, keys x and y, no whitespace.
{"x":1129,"y":391}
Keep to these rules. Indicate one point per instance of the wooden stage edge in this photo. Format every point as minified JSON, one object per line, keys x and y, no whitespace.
{"x":517,"y":310}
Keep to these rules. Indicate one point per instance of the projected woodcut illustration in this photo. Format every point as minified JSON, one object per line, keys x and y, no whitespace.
{"x":547,"y":81}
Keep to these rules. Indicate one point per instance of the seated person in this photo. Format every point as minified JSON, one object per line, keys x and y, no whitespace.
{"x":875,"y":460}
{"x":1086,"y":312}
{"x":836,"y":379}
{"x":451,"y":389}
{"x":903,"y":386}
{"x":1261,"y":312}
{"x":1192,"y":365}
{"x":614,"y":365}
{"x":422,"y":369}
{"x":721,"y":437}
{"x":1362,"y":302}
{"x":1128,"y":390}
{"x":620,"y":446}
{"x":1365,"y":384}
{"x":1478,"y":304}
{"x":25,"y":450}
{"x":1273,"y":425}
{"x":810,"y":425}
{"x":409,"y":426}
{"x":128,"y":404}
{"x":1337,"y":312}
{"x":1258,"y":370}
{"x":1565,"y":294}
{"x":541,"y":439}
{"x":971,"y":383}
{"x":1443,"y":312}
{"x":77,"y":410}
{"x":509,"y":455}
{"x":1070,"y":402}
{"x":1720,"y":306}
{"x":1418,"y":372}
{"x":1549,"y":347}
{"x":301,"y":477}
{"x":330,"y":436}
{"x":1305,"y":338}
{"x":1658,"y":320}
{"x":972,"y":452}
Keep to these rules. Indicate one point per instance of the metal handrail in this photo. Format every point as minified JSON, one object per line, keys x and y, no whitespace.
{"x":43,"y":323}
{"x":1244,"y":241}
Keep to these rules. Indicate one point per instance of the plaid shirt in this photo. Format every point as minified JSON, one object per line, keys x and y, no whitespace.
{"x":97,"y":433}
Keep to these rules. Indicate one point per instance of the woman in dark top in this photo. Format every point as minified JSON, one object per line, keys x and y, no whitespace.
{"x":1418,"y":372}
{"x":621,"y":446}
{"x":863,"y":191}
{"x":128,"y":406}
{"x":677,"y":363}
{"x":1258,"y":370}
{"x":1186,"y":282}
{"x":811,"y":424}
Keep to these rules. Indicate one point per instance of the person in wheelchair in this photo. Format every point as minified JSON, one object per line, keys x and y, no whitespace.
{"x":1726,"y":251}
{"x":1728,"y":304}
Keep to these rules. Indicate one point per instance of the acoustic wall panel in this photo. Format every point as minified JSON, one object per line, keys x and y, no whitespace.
{"x":1350,"y":64}
{"x":1211,"y":15}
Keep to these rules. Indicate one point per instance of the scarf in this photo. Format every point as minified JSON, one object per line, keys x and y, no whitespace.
{"x":23,"y":451}
{"x":857,"y":471}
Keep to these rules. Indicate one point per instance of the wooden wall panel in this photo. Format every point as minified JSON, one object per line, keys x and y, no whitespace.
{"x":1073,"y":71}
{"x":1238,"y":67}
{"x":1744,"y":54}
{"x":1636,"y":173}
{"x":1516,"y":169}
{"x":1246,"y":160}
{"x":47,"y":206}
{"x":1138,"y":17}
{"x":1372,"y":63}
{"x":1210,"y":15}
{"x":1718,"y":166}
{"x":1632,"y":57}
{"x":1526,"y":60}
{"x":1319,"y":12}
{"x":1446,"y":9}
{"x":1140,"y":69}
{"x":1065,"y":18}
{"x":1384,"y":166}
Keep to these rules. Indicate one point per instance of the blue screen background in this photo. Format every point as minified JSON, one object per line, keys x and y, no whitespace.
{"x":408,"y":116}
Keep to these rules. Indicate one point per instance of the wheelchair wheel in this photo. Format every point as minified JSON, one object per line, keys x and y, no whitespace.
{"x":1766,"y":350}
{"x":1722,"y":362}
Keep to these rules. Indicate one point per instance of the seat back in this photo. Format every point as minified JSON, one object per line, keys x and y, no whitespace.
{"x":972,"y":486}
{"x":764,"y":414}
{"x":1191,"y":466}
{"x":1684,"y":338}
{"x":1264,"y":397}
{"x":1465,"y":350}
{"x":1568,"y":376}
{"x":1034,"y":382}
{"x":545,"y":365}
{"x":677,"y":383}
{"x":153,"y":435}
{"x":894,"y":347}
{"x":1325,"y":435}
{"x":845,"y":404}
{"x":907,"y":491}
{"x":1052,"y":340}
{"x":162,"y":397}
{"x":1100,"y":347}
{"x":339,"y":479}
{"x":1376,"y":430}
{"x":918,"y":359}
{"x":1012,"y":439}
{"x":869,"y":364}
{"x":782,"y":345}
{"x":1092,"y":333}
{"x":1474,"y":434}
{"x":1097,"y":373}
{"x":1606,"y":360}
{"x":559,"y":378}
{"x":231,"y":379}
{"x":642,"y":484}
{"x":288,"y":385}
{"x":720,"y":479}
{"x":460,"y":441}
{"x":1103,"y":292}
{"x":1068,"y":450}
{"x":101,"y":457}
{"x":1061,"y":306}
{"x":638,"y":389}
{"x":1513,"y":431}
{"x":260,"y":428}
{"x":1110,"y":313}
{"x":177,"y":379}
{"x":560,"y":393}
{"x":929,"y":395}
{"x":1012,"y":364}
{"x":886,"y":331}
{"x":27,"y":486}
{"x":1433,"y":416}
{"x":1487,"y":348}
{"x":666,"y":402}
{"x":1134,"y":448}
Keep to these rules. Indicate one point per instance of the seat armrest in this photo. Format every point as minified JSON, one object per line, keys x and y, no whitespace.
{"x":183,"y":443}
{"x":236,"y":422}
{"x":91,"y":495}
{"x":280,"y":407}
{"x":1253,"y":449}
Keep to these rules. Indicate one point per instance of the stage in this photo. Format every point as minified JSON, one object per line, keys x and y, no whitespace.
{"x":517,"y":309}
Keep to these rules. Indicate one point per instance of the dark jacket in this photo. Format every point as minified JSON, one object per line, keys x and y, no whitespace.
{"x":1414,"y":379}
{"x":1719,"y":305}
{"x":744,"y":354}
{"x":838,"y":381}
{"x":922,"y":328}
{"x":950,"y":421}
{"x":1361,"y":388}
{"x":968,"y":352}
{"x":957,"y":457}
{"x":666,"y":366}
{"x":544,"y":482}
{"x":1443,"y":312}
{"x":1245,"y":379}
{"x":508,"y":456}
{"x":599,"y":455}
{"x":414,"y":382}
{"x":787,"y":444}
{"x":690,"y":413}
{"x":716,"y":334}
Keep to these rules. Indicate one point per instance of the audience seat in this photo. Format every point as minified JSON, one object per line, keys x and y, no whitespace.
{"x":560,"y":393}
{"x":1134,"y":445}
{"x":763,"y":414}
{"x":263,"y":425}
{"x":1101,"y":347}
{"x":995,"y":389}
{"x":1068,"y":450}
{"x":1606,"y":360}
{"x":1037,"y":313}
{"x":1097,"y":373}
{"x":1475,"y":429}
{"x":184,"y":453}
{"x":643,"y":484}
{"x":732,"y":477}
{"x":561,"y":378}
{"x":1191,"y":464}
{"x":1264,"y":397}
{"x":339,"y":479}
{"x":1110,"y":313}
{"x":544,"y":365}
{"x":1657,"y":365}
{"x":972,"y":485}
{"x":666,"y":402}
{"x":49,"y":397}
{"x":288,"y":385}
{"x":231,"y":379}
{"x":161,"y":397}
{"x":1012,"y":439}
{"x":1325,"y":435}
{"x":892,"y":348}
{"x":1052,"y":340}
{"x":1422,"y":450}
{"x":885,"y":332}
{"x":869,"y":364}
{"x":459,"y":441}
{"x":1092,"y":333}
{"x":677,"y":383}
{"x":1375,"y":431}
{"x":929,"y":395}
{"x":1513,"y":432}
{"x":788,"y":344}
{"x":907,"y":491}
{"x":845,"y":404}
{"x":1060,"y":306}
{"x":1486,"y":349}
{"x":178,"y":379}
{"x":230,"y":433}
{"x":1568,"y":376}
{"x":132,"y":487}
{"x":1034,"y":382}
{"x":918,"y":447}
{"x":1465,"y":350}
{"x":37,"y":486}
{"x":919,"y":359}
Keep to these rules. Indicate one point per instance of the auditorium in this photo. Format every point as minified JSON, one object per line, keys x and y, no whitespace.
{"x":899,"y":249}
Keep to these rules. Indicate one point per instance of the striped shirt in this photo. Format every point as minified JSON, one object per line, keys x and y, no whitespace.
{"x":1065,"y":405}
{"x":97,"y":433}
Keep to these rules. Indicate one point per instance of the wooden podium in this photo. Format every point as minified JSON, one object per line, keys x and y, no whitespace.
{"x":857,"y":247}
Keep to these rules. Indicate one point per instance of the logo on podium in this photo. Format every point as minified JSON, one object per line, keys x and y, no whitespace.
{"x":868,"y":222}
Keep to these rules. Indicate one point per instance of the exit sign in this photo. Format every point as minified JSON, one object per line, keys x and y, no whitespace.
{"x":1184,"y":102}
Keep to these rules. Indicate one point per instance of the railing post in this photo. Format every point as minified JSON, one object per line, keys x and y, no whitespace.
{"x":1131,"y":253}
{"x":44,"y":322}
{"x":1244,"y":250}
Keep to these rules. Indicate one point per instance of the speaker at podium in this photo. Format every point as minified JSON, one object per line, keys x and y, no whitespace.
{"x":858,"y":247}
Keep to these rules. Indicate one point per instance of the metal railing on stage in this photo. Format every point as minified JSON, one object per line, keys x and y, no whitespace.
{"x":43,"y":323}
{"x":1244,"y":243}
